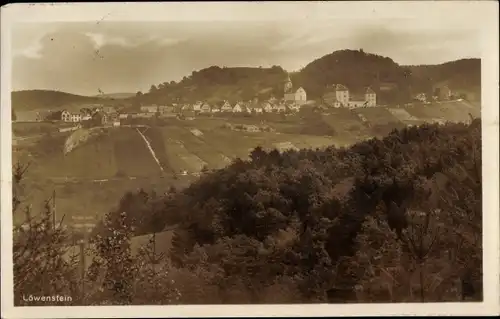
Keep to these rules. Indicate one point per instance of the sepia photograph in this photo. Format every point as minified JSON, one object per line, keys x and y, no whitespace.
{"x":314,"y":154}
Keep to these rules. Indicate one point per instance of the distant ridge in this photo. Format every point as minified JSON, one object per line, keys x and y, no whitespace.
{"x":29,"y":100}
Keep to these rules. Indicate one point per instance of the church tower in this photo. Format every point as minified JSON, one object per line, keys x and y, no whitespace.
{"x":288,"y":84}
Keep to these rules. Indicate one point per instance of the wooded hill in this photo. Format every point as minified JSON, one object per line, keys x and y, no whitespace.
{"x":354,"y":68}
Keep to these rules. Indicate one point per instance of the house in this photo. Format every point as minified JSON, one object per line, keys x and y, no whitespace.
{"x":149,"y":108}
{"x":370,"y":97}
{"x":299,"y":96}
{"x":116,"y":123}
{"x":238,"y":107}
{"x":123,"y":116}
{"x":65,"y":116}
{"x":164,"y":109}
{"x":266,"y":107}
{"x":226,"y":107}
{"x":245,"y":108}
{"x":365,"y":99}
{"x":187,"y":107}
{"x":255,"y":108}
{"x":76,"y":117}
{"x":422,"y":97}
{"x":336,"y":95}
{"x":167,"y":110}
{"x":197,"y":106}
{"x":205,"y":108}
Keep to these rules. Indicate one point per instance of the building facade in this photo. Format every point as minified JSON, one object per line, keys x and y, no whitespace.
{"x":298,"y":96}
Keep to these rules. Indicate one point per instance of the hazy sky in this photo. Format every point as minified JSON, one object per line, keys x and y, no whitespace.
{"x":82,"y":57}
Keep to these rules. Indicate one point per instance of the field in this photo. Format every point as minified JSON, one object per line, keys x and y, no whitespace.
{"x":92,"y":178}
{"x":347,"y":125}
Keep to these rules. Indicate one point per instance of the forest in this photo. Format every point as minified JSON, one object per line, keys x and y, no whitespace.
{"x":393,"y":219}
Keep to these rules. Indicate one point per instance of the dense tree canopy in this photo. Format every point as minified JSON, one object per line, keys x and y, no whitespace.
{"x":311,"y":218}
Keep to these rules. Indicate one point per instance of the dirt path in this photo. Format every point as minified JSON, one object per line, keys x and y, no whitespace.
{"x":150,"y":149}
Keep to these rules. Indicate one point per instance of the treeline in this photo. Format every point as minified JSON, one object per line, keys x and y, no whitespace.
{"x":396,"y":219}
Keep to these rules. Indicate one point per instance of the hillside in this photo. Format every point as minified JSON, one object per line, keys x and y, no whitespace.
{"x":354,"y":68}
{"x":45,"y":99}
{"x":461,"y":75}
{"x":216,"y":84}
{"x":317,"y":222}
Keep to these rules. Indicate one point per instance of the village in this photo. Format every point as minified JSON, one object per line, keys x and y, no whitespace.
{"x":292,"y":101}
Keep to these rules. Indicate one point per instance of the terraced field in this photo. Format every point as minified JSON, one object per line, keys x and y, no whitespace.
{"x":348,"y":125}
{"x":197,"y":147}
{"x":377,"y":115}
{"x":132,"y":155}
{"x":457,"y":111}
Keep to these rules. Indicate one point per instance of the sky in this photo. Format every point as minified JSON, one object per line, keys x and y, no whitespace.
{"x":113,"y":56}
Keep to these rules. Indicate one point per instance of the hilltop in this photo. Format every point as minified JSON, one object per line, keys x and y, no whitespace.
{"x":30,"y":100}
{"x":354,"y":68}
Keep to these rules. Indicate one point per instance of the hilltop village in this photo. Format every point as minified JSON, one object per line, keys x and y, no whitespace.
{"x":292,"y":101}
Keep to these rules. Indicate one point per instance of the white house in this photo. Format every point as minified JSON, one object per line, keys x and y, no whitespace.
{"x":226,"y":107}
{"x":76,"y":117}
{"x":65,"y":116}
{"x":370,"y":97}
{"x":197,"y":106}
{"x":205,"y":108}
{"x":237,"y":108}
